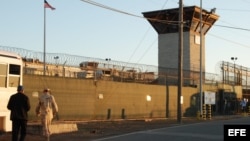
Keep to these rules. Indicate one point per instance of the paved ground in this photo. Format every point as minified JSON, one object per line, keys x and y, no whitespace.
{"x":88,"y":131}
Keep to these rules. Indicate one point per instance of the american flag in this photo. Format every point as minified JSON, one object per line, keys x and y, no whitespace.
{"x":47,"y":5}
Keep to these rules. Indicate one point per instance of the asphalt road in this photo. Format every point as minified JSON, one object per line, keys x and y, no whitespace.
{"x":203,"y":131}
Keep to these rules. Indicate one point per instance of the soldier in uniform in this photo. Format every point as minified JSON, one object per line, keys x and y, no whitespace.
{"x":46,"y":108}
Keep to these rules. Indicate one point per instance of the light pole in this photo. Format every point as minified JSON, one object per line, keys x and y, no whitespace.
{"x":56,"y":59}
{"x":108,"y":59}
{"x":234,"y":59}
{"x":56,"y":62}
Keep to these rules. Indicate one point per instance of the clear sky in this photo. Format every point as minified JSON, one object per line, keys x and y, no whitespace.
{"x":79,"y":28}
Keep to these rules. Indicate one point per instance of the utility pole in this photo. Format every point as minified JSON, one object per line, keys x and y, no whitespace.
{"x":180,"y":63}
{"x":201,"y":64}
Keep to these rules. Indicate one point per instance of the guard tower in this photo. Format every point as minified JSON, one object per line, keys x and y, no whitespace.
{"x":166,"y":24}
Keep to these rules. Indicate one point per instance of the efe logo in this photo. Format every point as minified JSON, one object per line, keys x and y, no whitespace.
{"x":236,"y":132}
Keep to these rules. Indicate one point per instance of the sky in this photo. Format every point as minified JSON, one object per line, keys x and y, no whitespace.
{"x":76,"y":27}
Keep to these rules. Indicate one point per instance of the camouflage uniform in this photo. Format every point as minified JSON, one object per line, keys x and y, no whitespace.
{"x":46,"y":107}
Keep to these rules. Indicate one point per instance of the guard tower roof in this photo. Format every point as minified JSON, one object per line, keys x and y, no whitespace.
{"x":167,"y":21}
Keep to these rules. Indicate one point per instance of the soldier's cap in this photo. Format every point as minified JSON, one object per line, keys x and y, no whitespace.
{"x":46,"y":90}
{"x":19,"y":88}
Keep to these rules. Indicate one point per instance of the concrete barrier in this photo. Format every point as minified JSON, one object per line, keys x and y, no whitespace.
{"x":55,"y":128}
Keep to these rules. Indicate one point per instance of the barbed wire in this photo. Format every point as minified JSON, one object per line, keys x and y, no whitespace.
{"x":74,"y":60}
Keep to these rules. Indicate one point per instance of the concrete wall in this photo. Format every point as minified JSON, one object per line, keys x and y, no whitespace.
{"x":86,"y":99}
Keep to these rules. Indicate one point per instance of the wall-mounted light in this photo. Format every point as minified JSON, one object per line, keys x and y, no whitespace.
{"x":148,"y":98}
{"x":100,"y":96}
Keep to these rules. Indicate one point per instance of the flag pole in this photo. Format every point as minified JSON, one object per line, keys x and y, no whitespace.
{"x":44,"y":44}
